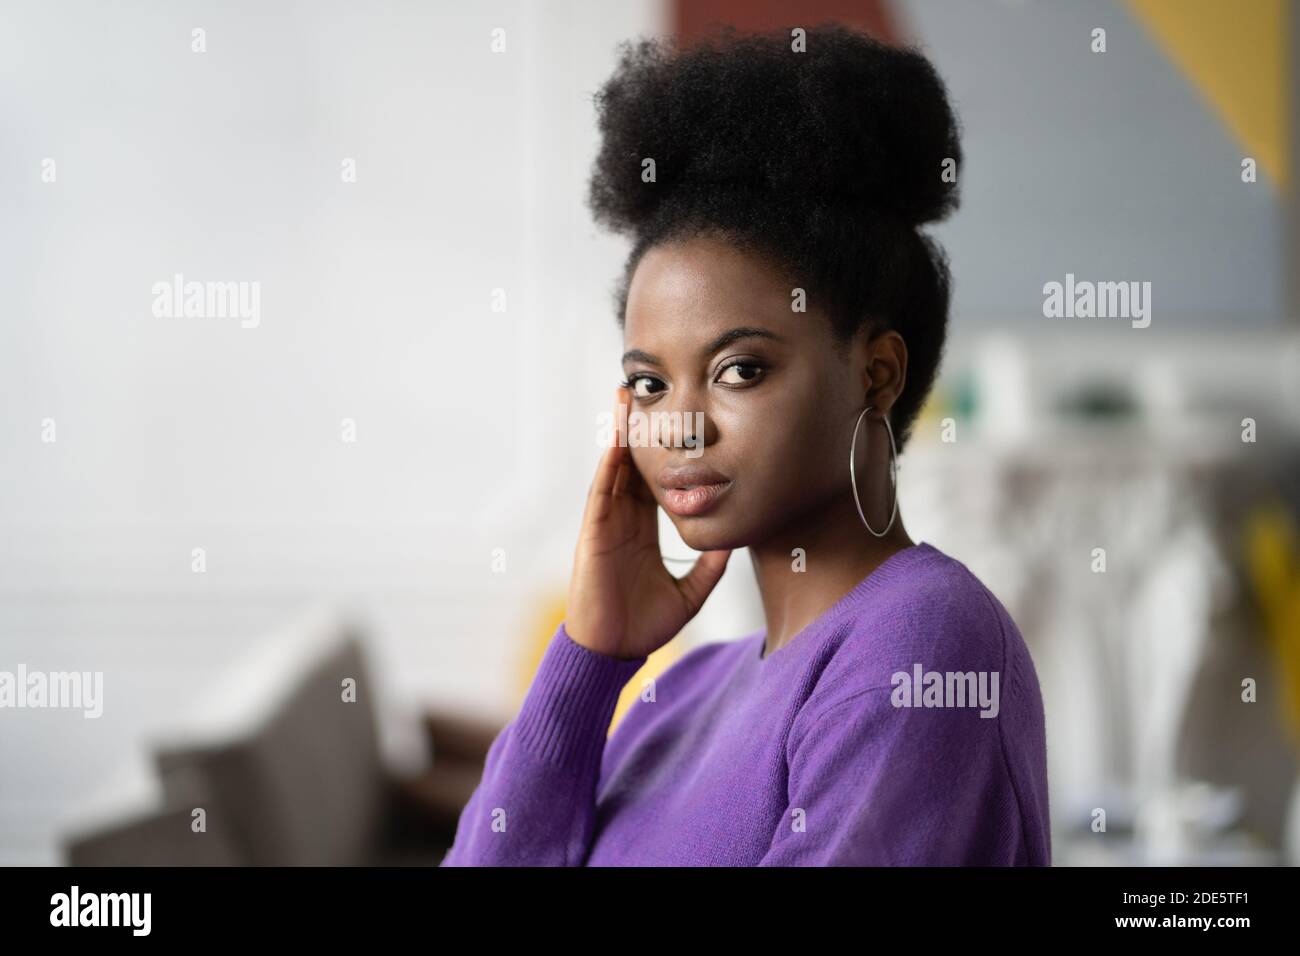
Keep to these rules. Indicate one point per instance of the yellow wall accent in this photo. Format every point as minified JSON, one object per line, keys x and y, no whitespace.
{"x":1237,"y":54}
{"x":655,"y":665}
{"x":546,"y":617}
{"x":1272,"y":543}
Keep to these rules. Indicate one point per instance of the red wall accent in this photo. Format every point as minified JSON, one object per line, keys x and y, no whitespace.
{"x":692,"y":18}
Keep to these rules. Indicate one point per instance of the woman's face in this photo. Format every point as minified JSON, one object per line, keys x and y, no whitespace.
{"x":710,"y":329}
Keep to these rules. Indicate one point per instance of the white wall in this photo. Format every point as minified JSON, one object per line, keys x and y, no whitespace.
{"x":475,"y":429}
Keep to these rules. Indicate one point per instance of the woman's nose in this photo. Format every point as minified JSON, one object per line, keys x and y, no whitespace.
{"x":684,"y":425}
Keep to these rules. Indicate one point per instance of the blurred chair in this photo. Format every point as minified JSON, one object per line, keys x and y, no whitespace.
{"x":286,"y":770}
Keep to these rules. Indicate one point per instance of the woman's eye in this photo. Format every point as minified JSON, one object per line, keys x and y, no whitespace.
{"x":637,"y":381}
{"x":739,"y":373}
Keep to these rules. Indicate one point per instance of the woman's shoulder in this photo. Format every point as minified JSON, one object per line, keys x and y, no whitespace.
{"x":931,"y":613}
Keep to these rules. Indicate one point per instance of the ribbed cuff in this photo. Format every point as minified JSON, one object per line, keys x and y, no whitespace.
{"x":565,"y":715}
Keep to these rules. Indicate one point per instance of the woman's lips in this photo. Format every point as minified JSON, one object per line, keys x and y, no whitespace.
{"x":686,"y":502}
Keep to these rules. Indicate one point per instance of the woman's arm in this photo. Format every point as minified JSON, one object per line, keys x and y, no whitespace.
{"x":871,"y":784}
{"x":536,"y":803}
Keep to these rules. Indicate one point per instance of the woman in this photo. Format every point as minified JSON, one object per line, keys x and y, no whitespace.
{"x":889,"y":713}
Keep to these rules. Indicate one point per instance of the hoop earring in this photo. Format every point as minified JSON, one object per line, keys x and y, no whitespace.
{"x":893,"y":472}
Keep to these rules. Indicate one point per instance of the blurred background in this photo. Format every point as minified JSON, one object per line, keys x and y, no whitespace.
{"x":374,"y":488}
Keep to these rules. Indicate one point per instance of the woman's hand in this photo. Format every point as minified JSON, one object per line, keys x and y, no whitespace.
{"x":622,"y":600}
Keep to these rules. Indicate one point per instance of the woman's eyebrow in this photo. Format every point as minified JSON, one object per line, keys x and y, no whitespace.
{"x":726,"y":338}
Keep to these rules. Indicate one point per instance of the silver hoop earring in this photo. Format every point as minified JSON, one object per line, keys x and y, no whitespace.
{"x":893,"y":472}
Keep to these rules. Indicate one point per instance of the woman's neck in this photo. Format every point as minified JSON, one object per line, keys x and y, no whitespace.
{"x":803,"y":570}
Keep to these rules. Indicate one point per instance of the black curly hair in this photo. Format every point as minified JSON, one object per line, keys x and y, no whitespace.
{"x":825,"y":162}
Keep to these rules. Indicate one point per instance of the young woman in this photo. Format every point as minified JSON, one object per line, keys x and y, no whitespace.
{"x":889,"y":713}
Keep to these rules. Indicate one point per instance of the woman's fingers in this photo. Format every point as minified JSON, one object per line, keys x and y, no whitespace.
{"x":617,"y":476}
{"x":698,"y":583}
{"x":637,"y":487}
{"x":635,"y":484}
{"x":625,"y":470}
{"x":600,"y":495}
{"x":608,"y":469}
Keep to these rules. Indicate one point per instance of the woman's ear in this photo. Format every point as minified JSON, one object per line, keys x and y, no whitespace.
{"x":885,"y":369}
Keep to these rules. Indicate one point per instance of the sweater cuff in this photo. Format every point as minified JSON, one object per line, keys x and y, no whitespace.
{"x":566,"y":713}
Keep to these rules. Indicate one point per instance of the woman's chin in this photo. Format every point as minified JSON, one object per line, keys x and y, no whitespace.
{"x":707,"y":533}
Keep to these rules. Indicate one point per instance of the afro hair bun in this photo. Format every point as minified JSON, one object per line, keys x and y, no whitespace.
{"x":848,"y":122}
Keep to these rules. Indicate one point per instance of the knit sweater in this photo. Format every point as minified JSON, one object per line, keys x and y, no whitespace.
{"x":903,"y":726}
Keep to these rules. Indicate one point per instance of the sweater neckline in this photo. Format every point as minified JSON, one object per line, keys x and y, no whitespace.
{"x":888,"y":569}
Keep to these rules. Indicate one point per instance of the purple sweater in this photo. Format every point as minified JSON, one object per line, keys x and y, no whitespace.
{"x":809,"y":756}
